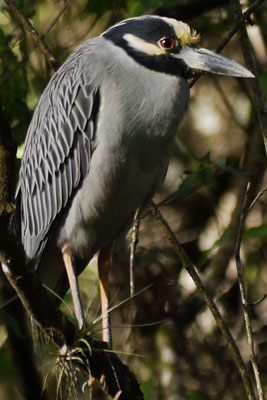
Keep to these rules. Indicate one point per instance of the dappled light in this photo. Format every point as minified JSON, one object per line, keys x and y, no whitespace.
{"x":165,"y":334}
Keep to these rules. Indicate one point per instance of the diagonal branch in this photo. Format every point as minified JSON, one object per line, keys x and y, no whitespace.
{"x":245,"y":209}
{"x":239,"y":23}
{"x":8,"y":74}
{"x":20,"y":342}
{"x":37,"y":300}
{"x":258,"y":97}
{"x":33,"y":32}
{"x":188,"y":265}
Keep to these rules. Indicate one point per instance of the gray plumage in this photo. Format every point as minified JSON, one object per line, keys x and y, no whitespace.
{"x":99,"y":144}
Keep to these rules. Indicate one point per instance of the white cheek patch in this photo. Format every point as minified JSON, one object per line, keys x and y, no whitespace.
{"x":143,"y":46}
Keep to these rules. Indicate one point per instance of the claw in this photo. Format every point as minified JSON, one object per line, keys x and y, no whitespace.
{"x":84,"y":385}
{"x":90,"y":383}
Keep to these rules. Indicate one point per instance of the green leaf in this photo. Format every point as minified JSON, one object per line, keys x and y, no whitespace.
{"x":202,"y":177}
{"x":256,"y":232}
{"x":186,"y":150}
{"x":147,"y":388}
{"x":190,"y":153}
{"x":222,"y":164}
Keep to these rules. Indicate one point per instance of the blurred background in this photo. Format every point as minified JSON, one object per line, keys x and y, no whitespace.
{"x":165,"y":334}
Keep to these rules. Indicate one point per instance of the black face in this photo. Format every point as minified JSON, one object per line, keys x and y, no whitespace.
{"x":151,"y":30}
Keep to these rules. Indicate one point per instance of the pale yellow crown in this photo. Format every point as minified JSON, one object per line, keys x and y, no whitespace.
{"x":184,"y":32}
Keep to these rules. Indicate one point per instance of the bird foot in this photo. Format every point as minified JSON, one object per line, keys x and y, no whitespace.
{"x":90,"y":383}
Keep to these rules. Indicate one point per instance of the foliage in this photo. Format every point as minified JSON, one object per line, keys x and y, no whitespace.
{"x":14,"y":86}
{"x":183,"y":353}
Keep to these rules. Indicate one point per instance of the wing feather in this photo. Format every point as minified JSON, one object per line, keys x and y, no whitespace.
{"x":57,"y":152}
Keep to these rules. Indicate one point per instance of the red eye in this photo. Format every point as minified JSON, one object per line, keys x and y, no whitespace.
{"x":167,"y":43}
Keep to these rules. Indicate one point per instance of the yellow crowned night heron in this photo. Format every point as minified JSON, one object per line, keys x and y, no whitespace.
{"x":99,"y":144}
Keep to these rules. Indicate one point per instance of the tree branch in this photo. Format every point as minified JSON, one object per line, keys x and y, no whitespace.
{"x":33,"y":32}
{"x":258,"y":97}
{"x":19,"y":340}
{"x":8,"y":75}
{"x":188,"y":265}
{"x":246,"y":306}
{"x":38,"y":301}
{"x":238,"y":24}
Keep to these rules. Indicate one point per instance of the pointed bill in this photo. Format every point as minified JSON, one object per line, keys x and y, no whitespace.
{"x":201,"y":59}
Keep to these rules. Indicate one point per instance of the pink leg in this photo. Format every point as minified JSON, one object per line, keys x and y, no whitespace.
{"x":104,"y":266}
{"x":75,"y":292}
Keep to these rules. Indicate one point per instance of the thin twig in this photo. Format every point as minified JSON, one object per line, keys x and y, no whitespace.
{"x":33,"y":32}
{"x":255,"y":303}
{"x":188,"y":265}
{"x":134,"y":243}
{"x":258,"y":196}
{"x":258,"y":97}
{"x":9,"y":73}
{"x":244,"y":17}
{"x":261,"y":111}
{"x":242,"y":289}
{"x":227,"y":103}
{"x":66,"y":4}
{"x":239,"y":22}
{"x":114,"y":15}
